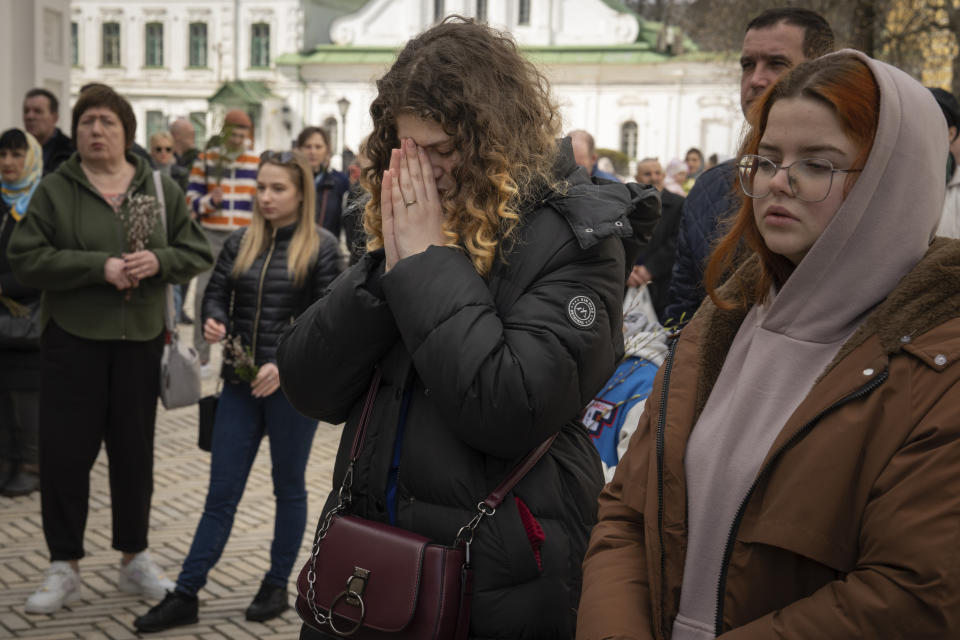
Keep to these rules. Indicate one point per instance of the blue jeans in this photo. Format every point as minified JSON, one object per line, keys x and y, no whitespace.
{"x":241,"y":423}
{"x":179,"y":292}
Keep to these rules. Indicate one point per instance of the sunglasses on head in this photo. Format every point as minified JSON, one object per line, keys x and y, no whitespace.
{"x":283,"y":157}
{"x":159,"y":149}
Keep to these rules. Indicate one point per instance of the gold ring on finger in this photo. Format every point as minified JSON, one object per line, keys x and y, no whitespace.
{"x":412,"y":202}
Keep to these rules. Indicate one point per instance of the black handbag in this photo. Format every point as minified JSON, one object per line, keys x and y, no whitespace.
{"x":208,"y":414}
{"x":20,"y":324}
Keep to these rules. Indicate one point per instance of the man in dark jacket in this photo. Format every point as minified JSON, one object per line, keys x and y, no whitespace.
{"x":655,"y":265}
{"x":775,"y":41}
{"x":40,"y":112}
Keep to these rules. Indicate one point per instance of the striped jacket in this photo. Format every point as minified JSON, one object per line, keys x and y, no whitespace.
{"x":237,"y":180}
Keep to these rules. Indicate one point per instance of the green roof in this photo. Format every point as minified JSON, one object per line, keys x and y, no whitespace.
{"x":341,"y":5}
{"x":614,"y":54}
{"x":650,"y":31}
{"x":340,"y":54}
{"x":640,"y":53}
{"x":619,"y":7}
{"x":239,"y":92}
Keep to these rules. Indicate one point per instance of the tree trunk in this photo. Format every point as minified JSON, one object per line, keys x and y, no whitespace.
{"x":953,"y":19}
{"x":864,"y":26}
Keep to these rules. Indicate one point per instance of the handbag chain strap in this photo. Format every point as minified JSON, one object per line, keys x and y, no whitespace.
{"x":464,"y":537}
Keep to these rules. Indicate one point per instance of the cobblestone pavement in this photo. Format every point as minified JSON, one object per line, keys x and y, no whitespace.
{"x":180,"y":483}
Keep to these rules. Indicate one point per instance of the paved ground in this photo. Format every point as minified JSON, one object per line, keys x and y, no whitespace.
{"x":180,"y":481}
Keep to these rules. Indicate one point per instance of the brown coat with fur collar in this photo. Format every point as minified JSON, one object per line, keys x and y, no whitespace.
{"x":852,"y":529}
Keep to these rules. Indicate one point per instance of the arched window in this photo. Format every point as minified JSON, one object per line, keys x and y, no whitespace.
{"x":628,"y":139}
{"x":332,"y":128}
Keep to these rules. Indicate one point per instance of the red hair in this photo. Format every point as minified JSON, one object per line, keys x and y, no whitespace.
{"x":845,"y":84}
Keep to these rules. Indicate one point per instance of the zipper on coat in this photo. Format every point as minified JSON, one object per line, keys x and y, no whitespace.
{"x":263,"y":276}
{"x":661,"y":428}
{"x":863,"y":391}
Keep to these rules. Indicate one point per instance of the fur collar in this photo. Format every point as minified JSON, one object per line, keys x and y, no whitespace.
{"x":926,"y":297}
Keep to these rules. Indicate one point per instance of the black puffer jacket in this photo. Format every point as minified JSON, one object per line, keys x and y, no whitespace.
{"x":490,"y":367}
{"x":263,"y":301}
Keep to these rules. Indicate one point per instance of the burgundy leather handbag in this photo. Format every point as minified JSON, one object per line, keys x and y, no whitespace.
{"x":370,"y":580}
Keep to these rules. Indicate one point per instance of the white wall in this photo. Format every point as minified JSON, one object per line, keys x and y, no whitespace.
{"x":35,"y":45}
{"x":676,"y":105}
{"x":176,"y":89}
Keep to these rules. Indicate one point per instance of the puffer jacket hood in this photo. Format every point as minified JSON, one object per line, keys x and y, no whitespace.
{"x":620,"y":210}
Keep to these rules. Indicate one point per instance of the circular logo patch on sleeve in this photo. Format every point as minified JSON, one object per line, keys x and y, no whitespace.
{"x":582,"y":311}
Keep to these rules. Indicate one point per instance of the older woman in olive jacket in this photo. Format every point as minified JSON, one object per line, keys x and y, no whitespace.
{"x":103,"y":286}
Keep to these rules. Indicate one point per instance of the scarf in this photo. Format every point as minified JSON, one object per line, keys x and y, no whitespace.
{"x":17,"y":194}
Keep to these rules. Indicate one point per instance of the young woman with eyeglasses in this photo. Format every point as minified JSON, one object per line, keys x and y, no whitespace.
{"x":266,"y":275}
{"x":795,"y":474}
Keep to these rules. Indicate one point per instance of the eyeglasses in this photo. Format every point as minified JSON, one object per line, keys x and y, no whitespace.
{"x":810,"y":179}
{"x":159,"y":149}
{"x":283,"y":157}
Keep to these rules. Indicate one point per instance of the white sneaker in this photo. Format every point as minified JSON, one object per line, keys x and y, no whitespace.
{"x":142,"y":577}
{"x":60,"y":586}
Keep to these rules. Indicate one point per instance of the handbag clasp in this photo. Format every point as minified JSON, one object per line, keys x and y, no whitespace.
{"x":352,"y":595}
{"x":355,"y":585}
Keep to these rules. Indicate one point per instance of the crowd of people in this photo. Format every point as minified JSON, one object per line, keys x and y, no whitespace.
{"x":745,"y":368}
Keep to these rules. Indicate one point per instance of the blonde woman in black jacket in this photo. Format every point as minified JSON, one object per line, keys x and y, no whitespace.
{"x":266,"y":275}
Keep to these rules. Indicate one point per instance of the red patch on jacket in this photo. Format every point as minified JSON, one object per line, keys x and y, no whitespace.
{"x":534,"y":530}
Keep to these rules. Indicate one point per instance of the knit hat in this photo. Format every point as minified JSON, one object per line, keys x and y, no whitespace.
{"x":238,"y":118}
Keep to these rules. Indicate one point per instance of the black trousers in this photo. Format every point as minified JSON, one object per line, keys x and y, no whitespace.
{"x":93,"y":392}
{"x":18,"y":425}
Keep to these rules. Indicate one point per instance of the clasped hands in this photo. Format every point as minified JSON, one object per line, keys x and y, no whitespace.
{"x":127,"y":271}
{"x":412,"y":218}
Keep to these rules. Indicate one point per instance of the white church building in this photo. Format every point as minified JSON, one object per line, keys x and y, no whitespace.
{"x":292,"y":63}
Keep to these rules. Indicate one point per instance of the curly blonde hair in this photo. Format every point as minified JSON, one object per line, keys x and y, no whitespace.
{"x":497,"y":109}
